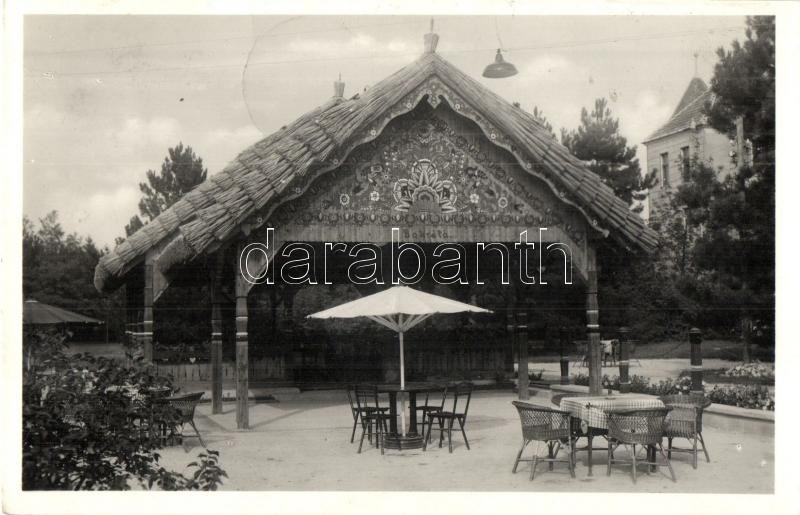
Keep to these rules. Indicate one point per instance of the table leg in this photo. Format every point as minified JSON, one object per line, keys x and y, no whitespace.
{"x":393,"y":413}
{"x":651,"y":457}
{"x":412,"y":419}
{"x":589,"y":438}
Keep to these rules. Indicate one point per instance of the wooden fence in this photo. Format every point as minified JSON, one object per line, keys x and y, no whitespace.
{"x":262,"y":369}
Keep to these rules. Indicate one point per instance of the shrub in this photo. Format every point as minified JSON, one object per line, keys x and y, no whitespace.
{"x":745,"y":396}
{"x":87,"y":424}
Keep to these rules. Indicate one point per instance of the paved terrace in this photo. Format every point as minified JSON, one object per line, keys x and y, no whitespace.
{"x":303,"y":443}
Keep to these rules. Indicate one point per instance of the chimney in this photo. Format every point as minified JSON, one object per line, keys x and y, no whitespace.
{"x":338,"y":88}
{"x":431,"y":40}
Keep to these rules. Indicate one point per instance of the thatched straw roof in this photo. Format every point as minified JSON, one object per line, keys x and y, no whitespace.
{"x":215,"y":210}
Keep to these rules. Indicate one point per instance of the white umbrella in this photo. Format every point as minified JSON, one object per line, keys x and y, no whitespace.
{"x":399,"y":308}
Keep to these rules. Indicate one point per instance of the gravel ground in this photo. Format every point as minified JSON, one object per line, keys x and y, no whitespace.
{"x":302,"y":443}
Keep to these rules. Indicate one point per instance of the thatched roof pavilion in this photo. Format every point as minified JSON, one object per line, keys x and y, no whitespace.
{"x":283,"y":168}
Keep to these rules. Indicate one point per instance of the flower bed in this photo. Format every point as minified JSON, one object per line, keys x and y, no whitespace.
{"x":744,"y":396}
{"x":754,"y":370}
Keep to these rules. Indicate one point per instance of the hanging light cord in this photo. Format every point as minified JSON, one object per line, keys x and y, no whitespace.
{"x":497,"y":33}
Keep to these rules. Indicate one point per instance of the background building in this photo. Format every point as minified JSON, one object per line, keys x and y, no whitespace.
{"x":686,"y":134}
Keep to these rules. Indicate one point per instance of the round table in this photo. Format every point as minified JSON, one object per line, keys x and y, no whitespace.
{"x":412,"y":439}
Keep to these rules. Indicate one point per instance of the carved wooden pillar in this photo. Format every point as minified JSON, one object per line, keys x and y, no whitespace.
{"x":242,"y":379}
{"x":564,"y":360}
{"x":593,"y":324}
{"x":695,"y":339}
{"x":624,"y":360}
{"x":522,"y":337}
{"x":147,"y":311}
{"x":216,"y":334}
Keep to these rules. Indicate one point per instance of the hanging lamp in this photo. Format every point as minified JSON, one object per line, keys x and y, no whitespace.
{"x":500,"y":68}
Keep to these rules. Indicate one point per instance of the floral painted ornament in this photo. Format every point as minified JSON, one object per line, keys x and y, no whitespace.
{"x":424,"y":191}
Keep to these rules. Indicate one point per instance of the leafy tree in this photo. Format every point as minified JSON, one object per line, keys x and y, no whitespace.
{"x":734,"y":216}
{"x":58,"y":268}
{"x":599,"y":144}
{"x":87,"y":424}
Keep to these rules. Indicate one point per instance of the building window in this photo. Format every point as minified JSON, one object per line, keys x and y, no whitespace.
{"x":665,"y":170}
{"x":685,"y":164}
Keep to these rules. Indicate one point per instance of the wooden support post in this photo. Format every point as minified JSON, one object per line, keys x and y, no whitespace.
{"x":242,"y":379}
{"x":522,"y":337}
{"x":147,"y":311}
{"x":216,"y":336}
{"x":695,"y":339}
{"x":593,"y":324}
{"x":508,"y":353}
{"x":564,"y":359}
{"x":624,"y":360}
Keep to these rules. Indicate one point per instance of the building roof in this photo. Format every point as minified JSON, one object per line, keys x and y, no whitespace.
{"x":262,"y":175}
{"x":689,"y":112}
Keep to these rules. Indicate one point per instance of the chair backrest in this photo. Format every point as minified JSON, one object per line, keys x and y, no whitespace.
{"x":185,"y":404}
{"x":351,"y":398}
{"x":542,"y":423}
{"x":444,"y":398}
{"x":461,"y":395}
{"x":642,"y":426}
{"x":681,"y":403}
{"x":366,"y":396}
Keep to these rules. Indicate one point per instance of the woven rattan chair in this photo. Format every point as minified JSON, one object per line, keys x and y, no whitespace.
{"x":685,"y":420}
{"x":546,"y":425}
{"x":371,"y":413}
{"x":185,"y":405}
{"x":461,"y":395}
{"x":643,"y":428}
{"x":431,"y":406}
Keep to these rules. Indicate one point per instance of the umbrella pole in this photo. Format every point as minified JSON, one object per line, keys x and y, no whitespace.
{"x":402,"y":386}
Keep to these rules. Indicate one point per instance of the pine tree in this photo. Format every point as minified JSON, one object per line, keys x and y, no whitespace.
{"x":598,"y":143}
{"x":181,"y":171}
{"x":737,"y":213}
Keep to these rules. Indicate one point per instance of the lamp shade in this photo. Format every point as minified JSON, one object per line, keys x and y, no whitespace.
{"x":500,"y":68}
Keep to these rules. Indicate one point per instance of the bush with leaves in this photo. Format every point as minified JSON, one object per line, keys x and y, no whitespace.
{"x":744,"y":396}
{"x":90,"y":424}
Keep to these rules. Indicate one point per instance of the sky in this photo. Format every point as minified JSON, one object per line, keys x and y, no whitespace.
{"x":106,"y":96}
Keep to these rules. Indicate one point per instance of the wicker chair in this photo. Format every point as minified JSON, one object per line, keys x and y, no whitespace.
{"x":685,"y":420}
{"x":427,"y":410}
{"x":462,"y":392}
{"x":185,"y":405}
{"x":579,"y":431}
{"x":546,"y":425}
{"x":645,"y":428}
{"x":371,"y":413}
